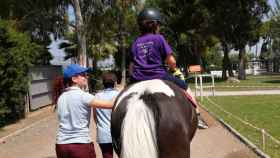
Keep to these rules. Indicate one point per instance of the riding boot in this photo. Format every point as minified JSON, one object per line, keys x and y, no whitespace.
{"x":201,"y":123}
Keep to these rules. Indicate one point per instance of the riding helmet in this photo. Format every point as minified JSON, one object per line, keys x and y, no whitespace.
{"x":149,"y":14}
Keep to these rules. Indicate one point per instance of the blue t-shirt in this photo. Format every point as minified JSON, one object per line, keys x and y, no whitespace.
{"x":74,"y":114}
{"x":148,"y":55}
{"x":104,"y":116}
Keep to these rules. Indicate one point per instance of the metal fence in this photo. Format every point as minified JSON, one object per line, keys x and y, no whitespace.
{"x":40,"y":88}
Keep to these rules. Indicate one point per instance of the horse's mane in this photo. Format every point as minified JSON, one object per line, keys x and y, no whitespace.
{"x":139,"y":123}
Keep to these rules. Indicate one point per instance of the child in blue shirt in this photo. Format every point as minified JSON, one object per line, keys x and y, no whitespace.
{"x":103,"y":116}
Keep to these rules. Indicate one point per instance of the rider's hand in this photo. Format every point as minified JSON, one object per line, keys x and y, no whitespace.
{"x":177,"y":73}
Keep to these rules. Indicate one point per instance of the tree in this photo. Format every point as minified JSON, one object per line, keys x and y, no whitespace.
{"x":37,"y":18}
{"x":81,"y":38}
{"x":246,"y":27}
{"x":220,"y":20}
{"x":126,"y":25}
{"x":213,"y":58}
{"x":119,"y":22}
{"x":186,"y":27}
{"x":104,"y":27}
{"x":17,"y":53}
{"x":271,"y":48}
{"x":236,"y":24}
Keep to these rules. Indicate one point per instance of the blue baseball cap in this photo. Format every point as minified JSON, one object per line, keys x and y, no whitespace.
{"x":73,"y":70}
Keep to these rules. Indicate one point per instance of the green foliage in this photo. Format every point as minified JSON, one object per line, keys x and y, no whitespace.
{"x":186,"y":26}
{"x":103,"y":50}
{"x":270,"y":50}
{"x":130,"y":32}
{"x":213,"y":58}
{"x":271,"y":47}
{"x":239,"y":23}
{"x":17,"y":53}
{"x":38,"y":19}
{"x":234,"y":57}
{"x":265,"y":32}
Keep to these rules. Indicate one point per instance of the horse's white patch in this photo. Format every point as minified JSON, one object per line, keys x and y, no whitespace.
{"x":138,"y":130}
{"x":151,"y":86}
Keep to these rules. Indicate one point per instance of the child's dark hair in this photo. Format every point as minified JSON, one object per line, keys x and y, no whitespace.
{"x":109,"y":79}
{"x":148,"y":26}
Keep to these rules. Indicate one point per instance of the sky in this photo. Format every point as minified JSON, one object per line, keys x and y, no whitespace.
{"x":58,"y":54}
{"x":271,"y":2}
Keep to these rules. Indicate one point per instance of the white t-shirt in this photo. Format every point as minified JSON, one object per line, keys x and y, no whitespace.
{"x":74,"y":116}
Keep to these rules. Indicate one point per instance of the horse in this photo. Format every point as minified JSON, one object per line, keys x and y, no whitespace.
{"x":153,"y":119}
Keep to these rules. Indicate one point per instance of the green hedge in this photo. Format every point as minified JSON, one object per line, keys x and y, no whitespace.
{"x":17,"y":53}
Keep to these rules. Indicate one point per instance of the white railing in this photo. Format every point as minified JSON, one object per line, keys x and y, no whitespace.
{"x":265,"y":138}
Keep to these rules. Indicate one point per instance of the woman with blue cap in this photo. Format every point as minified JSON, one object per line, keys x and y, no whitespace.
{"x":74,"y":112}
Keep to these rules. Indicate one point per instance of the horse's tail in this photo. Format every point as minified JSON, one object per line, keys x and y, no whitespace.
{"x":139,"y":136}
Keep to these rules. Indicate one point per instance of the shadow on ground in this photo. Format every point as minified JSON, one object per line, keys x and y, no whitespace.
{"x":272,"y":81}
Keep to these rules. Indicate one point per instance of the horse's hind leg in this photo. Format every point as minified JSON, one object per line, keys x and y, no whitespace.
{"x":194,"y":123}
{"x":188,"y":150}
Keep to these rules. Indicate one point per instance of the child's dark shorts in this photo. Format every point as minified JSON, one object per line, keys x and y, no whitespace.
{"x":169,"y":77}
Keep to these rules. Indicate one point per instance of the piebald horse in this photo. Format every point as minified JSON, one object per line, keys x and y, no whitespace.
{"x":153,"y":119}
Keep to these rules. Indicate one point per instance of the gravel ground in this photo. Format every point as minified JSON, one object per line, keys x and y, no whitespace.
{"x":35,"y":138}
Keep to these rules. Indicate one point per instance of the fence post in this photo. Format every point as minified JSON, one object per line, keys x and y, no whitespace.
{"x":263,"y":139}
{"x":201,"y":87}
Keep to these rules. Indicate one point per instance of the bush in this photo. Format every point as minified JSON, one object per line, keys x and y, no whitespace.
{"x":17,"y":53}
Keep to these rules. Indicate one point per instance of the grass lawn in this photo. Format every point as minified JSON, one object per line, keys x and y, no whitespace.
{"x":261,"y":111}
{"x":251,"y":83}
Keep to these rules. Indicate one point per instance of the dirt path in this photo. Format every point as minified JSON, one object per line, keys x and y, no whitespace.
{"x":37,"y":141}
{"x":218,"y":142}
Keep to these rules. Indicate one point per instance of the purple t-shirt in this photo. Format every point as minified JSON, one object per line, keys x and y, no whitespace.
{"x":148,"y":55}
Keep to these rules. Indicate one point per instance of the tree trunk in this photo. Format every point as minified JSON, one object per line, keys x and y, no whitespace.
{"x":224,"y":73}
{"x":276,"y":65}
{"x":227,"y":65}
{"x":122,"y":47}
{"x":82,"y":55}
{"x":241,"y":69}
{"x":267,"y":65}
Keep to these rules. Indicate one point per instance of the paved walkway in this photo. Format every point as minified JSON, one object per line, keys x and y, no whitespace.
{"x":37,"y":141}
{"x":34,"y":137}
